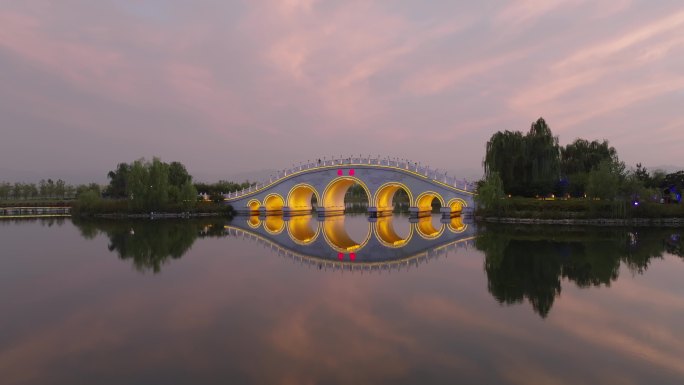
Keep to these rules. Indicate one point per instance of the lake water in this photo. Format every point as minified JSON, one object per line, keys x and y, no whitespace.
{"x":262,"y":301}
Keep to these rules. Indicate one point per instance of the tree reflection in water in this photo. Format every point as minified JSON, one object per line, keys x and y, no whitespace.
{"x":521,"y":262}
{"x":150,"y":244}
{"x":528,"y":262}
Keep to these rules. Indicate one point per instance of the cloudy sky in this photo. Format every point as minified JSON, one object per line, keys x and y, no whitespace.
{"x":234,"y":87}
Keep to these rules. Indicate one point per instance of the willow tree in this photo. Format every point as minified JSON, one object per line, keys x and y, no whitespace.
{"x":157,"y":185}
{"x":543,"y":154}
{"x":579,"y":159}
{"x":527,"y":164}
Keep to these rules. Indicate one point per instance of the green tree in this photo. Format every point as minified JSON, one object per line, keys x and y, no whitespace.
{"x":657,"y":179}
{"x":490,"y":192}
{"x":178,"y":175}
{"x":50,"y":188}
{"x":138,"y":185}
{"x":60,"y":188}
{"x":151,"y":187}
{"x":118,"y":178}
{"x":505,"y":155}
{"x":30,"y":190}
{"x":528,"y":164}
{"x":70,"y":191}
{"x":543,"y":157}
{"x":18,"y":190}
{"x":604,"y":182}
{"x":581,"y":157}
{"x":5,"y":190}
{"x":641,"y":174}
{"x":158,"y":194}
{"x":82,"y":188}
{"x":88,"y":200}
{"x":188,"y":195}
{"x":43,"y":188}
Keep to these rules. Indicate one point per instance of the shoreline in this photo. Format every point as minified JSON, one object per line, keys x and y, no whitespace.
{"x":656,"y":222}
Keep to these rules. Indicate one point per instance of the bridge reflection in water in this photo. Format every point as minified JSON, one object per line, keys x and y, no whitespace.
{"x":371,"y":244}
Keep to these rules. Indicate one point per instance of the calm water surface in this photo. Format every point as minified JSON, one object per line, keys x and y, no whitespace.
{"x":337,"y":302}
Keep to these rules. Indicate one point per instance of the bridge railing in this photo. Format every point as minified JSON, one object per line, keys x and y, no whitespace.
{"x":433,"y":174}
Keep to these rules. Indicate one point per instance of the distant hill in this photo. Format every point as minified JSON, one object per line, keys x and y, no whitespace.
{"x":667,"y":168}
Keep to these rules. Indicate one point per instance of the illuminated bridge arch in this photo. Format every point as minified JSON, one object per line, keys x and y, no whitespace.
{"x":290,"y":192}
{"x":299,"y":198}
{"x":274,"y":224}
{"x":339,"y":240}
{"x":301,"y":229}
{"x":333,"y":195}
{"x":424,"y":200}
{"x":457,"y":205}
{"x":274,"y":203}
{"x":254,"y":205}
{"x":426,"y":229}
{"x":387,"y":235}
{"x":385,"y":194}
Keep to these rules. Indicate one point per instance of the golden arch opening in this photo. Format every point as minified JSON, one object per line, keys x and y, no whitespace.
{"x":456,"y":225}
{"x":333,"y":195}
{"x":274,"y":203}
{"x":457,"y":205}
{"x":254,"y":221}
{"x":299,"y":197}
{"x":300,"y":229}
{"x":387,"y":235}
{"x":253,"y":205}
{"x":385,"y":194}
{"x":274,"y":224}
{"x":428,"y":230}
{"x":337,"y":237}
{"x":424,"y":200}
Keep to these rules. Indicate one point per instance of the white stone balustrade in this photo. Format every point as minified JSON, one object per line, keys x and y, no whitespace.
{"x":403,"y":164}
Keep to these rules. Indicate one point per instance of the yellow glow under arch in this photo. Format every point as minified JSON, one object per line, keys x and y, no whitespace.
{"x":457,"y":205}
{"x":456,"y":225}
{"x":385,"y":233}
{"x":427,"y":230}
{"x":333,"y":195}
{"x":253,"y":205}
{"x":385,"y":193}
{"x":254,"y":221}
{"x":300,"y":230}
{"x":274,"y":202}
{"x":424,"y":200}
{"x":274,"y":224}
{"x":337,"y":237}
{"x":299,"y":197}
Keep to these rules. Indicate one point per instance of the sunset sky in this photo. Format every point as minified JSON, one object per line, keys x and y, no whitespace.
{"x":237,"y":87}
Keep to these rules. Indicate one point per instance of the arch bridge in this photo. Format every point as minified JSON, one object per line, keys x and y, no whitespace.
{"x":291,"y":191}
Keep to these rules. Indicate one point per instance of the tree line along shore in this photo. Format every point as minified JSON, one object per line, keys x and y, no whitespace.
{"x":527,"y":176}
{"x":530,"y":176}
{"x":135,"y":189}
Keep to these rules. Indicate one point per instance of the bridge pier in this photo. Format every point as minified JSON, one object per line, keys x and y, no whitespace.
{"x":290,"y":212}
{"x":416,"y":212}
{"x":329,"y":211}
{"x":264,"y":212}
{"x":375,"y":212}
{"x":446,"y":212}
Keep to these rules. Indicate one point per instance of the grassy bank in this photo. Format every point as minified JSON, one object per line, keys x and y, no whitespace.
{"x":580,"y":209}
{"x":37,"y":203}
{"x":120,"y":207}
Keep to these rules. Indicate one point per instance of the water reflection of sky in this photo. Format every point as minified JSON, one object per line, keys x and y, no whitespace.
{"x":231,"y":311}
